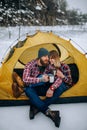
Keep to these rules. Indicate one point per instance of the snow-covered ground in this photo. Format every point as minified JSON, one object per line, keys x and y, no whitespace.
{"x":73,"y":116}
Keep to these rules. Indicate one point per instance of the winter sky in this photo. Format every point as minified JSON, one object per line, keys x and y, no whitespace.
{"x":81,"y":5}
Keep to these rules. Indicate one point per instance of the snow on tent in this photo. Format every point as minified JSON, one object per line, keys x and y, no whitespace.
{"x":25,"y":51}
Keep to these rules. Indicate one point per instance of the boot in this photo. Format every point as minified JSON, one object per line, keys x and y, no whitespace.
{"x":16,"y":78}
{"x":33,"y":112}
{"x":15,"y":89}
{"x":54,"y":116}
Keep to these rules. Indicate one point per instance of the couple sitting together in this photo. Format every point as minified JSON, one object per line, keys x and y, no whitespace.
{"x":46,"y":76}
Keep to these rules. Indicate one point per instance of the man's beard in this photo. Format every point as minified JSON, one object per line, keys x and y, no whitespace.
{"x":42,"y":62}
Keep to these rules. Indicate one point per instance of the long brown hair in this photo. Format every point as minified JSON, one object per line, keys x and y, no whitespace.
{"x":54,"y":55}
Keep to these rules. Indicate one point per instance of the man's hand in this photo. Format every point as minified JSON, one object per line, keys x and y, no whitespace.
{"x":46,"y":78}
{"x":49,"y":93}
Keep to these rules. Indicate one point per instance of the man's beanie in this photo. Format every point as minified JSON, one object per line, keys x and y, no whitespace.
{"x":42,"y":52}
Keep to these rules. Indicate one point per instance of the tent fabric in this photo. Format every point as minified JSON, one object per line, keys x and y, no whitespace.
{"x":28,"y":50}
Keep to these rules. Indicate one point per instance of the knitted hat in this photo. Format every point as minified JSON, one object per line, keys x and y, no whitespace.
{"x":42,"y":52}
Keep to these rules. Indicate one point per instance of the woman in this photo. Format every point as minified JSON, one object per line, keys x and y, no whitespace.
{"x":62,"y":71}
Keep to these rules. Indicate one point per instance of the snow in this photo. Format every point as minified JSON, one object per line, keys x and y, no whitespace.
{"x":38,"y":7}
{"x":73,"y":116}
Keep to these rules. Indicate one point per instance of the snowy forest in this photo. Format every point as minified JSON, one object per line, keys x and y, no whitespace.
{"x":39,"y":12}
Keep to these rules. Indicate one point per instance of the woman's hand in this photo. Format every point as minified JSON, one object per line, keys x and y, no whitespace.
{"x":60,"y":74}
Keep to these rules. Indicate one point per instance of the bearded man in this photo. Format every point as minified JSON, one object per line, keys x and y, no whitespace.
{"x":36,"y":80}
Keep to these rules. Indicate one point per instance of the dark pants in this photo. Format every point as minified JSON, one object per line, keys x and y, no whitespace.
{"x":34,"y":92}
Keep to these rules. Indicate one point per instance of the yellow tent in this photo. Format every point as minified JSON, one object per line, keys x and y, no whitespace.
{"x":26,"y":50}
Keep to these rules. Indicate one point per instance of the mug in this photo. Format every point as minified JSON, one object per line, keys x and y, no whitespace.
{"x":54,"y":72}
{"x":51,"y":78}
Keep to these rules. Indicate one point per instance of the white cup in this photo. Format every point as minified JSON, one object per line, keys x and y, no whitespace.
{"x":54,"y":72}
{"x":51,"y":78}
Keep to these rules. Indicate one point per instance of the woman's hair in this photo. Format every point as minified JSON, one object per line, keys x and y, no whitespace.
{"x":54,"y":55}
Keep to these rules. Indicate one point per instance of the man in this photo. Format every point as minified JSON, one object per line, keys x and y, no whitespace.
{"x":37,"y":85}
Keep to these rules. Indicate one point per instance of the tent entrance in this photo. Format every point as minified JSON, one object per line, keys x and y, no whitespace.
{"x":31,"y":53}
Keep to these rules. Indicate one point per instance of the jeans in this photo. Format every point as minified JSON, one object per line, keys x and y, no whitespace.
{"x":34,"y":92}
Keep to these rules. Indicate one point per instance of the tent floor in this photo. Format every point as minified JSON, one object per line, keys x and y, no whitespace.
{"x":82,"y":99}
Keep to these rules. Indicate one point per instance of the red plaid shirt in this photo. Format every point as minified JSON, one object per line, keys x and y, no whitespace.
{"x":31,"y":72}
{"x":67,"y":73}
